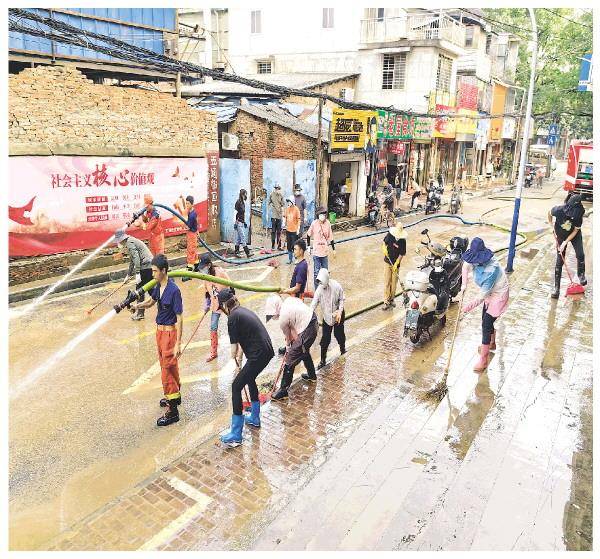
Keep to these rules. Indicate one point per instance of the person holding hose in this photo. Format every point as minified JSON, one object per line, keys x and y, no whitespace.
{"x":568,"y":220}
{"x":140,"y":263}
{"x":150,"y":221}
{"x":187,"y":210}
{"x":300,"y":327}
{"x":489,"y":276}
{"x":394,"y":249}
{"x":322,"y":234}
{"x":330,"y":296}
{"x":291,"y":215}
{"x":169,"y":329}
{"x":248,"y":336}
{"x":240,"y":224}
{"x":276,"y":207}
{"x":211,"y":301}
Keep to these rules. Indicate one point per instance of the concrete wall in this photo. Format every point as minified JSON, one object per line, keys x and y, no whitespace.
{"x":56,"y":110}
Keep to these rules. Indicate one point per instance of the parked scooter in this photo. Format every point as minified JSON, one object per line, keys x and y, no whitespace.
{"x":434,"y":199}
{"x":373,"y":208}
{"x":456,"y":199}
{"x":529,"y":175}
{"x":430,"y":289}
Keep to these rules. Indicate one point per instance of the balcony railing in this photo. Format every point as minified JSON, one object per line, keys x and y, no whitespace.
{"x":427,"y":27}
{"x":382,"y":30}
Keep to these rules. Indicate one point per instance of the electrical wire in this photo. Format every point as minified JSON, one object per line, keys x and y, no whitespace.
{"x":68,"y":34}
{"x":568,"y":19}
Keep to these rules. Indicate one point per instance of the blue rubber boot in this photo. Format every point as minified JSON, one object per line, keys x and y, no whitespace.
{"x":254,"y":417}
{"x":234,"y":437}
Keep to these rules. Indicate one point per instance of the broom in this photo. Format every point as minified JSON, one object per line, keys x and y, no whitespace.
{"x":439,"y":391}
{"x":574,"y":288}
{"x":263,"y":398}
{"x":90,"y":311}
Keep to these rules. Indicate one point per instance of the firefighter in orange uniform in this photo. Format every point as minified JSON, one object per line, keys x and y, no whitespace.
{"x":150,"y":221}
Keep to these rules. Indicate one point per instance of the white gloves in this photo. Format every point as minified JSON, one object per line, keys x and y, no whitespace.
{"x":138,"y":278}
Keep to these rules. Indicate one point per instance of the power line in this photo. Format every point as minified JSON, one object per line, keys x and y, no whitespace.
{"x":68,"y":34}
{"x":502,"y":23}
{"x":568,"y":19}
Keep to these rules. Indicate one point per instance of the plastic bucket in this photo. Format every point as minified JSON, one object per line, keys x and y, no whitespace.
{"x":332,"y":216}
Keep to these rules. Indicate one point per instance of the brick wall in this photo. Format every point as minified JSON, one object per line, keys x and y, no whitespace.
{"x":263,"y":140}
{"x":57,"y":110}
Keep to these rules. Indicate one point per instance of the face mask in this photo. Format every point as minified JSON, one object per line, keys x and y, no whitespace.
{"x":322,"y":217}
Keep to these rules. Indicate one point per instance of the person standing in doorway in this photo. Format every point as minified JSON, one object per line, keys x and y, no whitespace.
{"x":240,"y":227}
{"x":211,"y":302}
{"x":187,"y":210}
{"x":169,"y":329}
{"x":150,"y":221}
{"x":291,"y":215}
{"x":322,"y":234}
{"x":330,"y":296}
{"x":248,"y":337}
{"x":300,"y":202}
{"x":140,"y":263}
{"x":276,"y":207}
{"x":394,"y":249}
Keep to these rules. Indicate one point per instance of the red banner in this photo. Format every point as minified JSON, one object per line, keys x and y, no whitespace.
{"x":59,"y":204}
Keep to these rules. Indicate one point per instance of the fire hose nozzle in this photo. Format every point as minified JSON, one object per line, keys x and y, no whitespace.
{"x":131,"y":297}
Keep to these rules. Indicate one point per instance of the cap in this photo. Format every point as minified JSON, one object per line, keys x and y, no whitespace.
{"x":297,"y":187}
{"x":225,"y":295}
{"x":120,"y":235}
{"x":321,"y":210}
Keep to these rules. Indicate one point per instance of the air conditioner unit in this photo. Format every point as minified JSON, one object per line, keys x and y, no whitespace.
{"x":229,"y":142}
{"x":347,"y":94}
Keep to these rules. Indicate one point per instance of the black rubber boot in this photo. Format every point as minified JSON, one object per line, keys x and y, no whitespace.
{"x":164,"y":402}
{"x":247,"y":251}
{"x":581,"y":273}
{"x":557,"y":276}
{"x":237,"y":251}
{"x":286,"y":381}
{"x":323,"y":359}
{"x":310,"y":374}
{"x":190,"y":268}
{"x":172,"y":415}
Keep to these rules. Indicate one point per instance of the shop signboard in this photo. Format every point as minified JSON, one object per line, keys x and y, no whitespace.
{"x":508,"y":128}
{"x":423,"y":128}
{"x":466,"y":124}
{"x":353,"y":130}
{"x":395,"y":126}
{"x":396,"y":146}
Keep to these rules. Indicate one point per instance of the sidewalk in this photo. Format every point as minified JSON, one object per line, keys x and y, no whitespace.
{"x":357,"y":461}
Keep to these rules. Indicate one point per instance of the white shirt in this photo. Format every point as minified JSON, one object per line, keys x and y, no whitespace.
{"x":294,"y":317}
{"x":331,"y":299}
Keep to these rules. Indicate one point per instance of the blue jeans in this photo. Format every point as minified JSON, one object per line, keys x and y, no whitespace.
{"x":239,"y":234}
{"x":214,"y":321}
{"x":319,"y":262}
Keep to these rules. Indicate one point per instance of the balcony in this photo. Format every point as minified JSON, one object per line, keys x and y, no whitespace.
{"x":382,"y":30}
{"x":430,"y":27}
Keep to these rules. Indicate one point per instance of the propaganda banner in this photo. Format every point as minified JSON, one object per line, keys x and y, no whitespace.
{"x":61,"y":203}
{"x":352,"y":130}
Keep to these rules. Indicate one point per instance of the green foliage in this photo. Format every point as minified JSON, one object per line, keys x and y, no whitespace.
{"x":561,"y":43}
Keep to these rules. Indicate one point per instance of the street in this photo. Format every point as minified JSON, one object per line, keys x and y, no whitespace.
{"x":357,"y":461}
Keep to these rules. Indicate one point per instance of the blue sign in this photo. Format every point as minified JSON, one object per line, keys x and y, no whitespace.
{"x":585,"y":73}
{"x":552,"y":140}
{"x":553,"y":130}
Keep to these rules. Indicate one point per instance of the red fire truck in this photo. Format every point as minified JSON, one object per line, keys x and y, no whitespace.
{"x":580,"y":168}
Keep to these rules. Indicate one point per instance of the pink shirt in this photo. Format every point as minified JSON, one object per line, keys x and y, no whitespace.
{"x":214,"y":288}
{"x":496,"y":299}
{"x":322,"y":235}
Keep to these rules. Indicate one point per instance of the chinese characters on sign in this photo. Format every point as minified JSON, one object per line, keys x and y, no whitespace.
{"x":352,"y":130}
{"x":213,"y":193}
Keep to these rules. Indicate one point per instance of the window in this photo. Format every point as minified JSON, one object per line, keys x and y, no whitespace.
{"x":469,"y":36}
{"x":375,"y":13}
{"x":444,"y":73}
{"x":488,"y":43}
{"x":327,"y":18}
{"x":263,"y":67}
{"x":380,"y":13}
{"x":394,"y":71}
{"x":255,"y":22}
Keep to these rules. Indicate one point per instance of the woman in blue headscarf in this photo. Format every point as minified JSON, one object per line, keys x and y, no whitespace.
{"x":489,"y":276}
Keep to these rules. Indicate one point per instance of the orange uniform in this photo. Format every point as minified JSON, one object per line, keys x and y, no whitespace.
{"x":157,"y":235}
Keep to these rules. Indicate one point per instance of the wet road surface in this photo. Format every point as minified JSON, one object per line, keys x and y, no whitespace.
{"x":84,"y":432}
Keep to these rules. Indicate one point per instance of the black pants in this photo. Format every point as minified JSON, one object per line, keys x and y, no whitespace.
{"x":275,"y":232}
{"x":300,"y":348}
{"x":414,"y":196}
{"x":247,"y":377}
{"x":291,"y":238}
{"x":146,"y":275}
{"x":487,"y":326}
{"x":577,"y":243}
{"x":338,"y":332}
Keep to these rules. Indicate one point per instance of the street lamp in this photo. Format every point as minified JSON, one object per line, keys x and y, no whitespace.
{"x":524,"y":146}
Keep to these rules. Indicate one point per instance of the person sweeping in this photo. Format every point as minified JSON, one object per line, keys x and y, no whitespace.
{"x":567,"y":223}
{"x":150,"y":221}
{"x":394,"y":249}
{"x":330,"y":296}
{"x":211,"y":301}
{"x":187,"y":210}
{"x":140,"y":263}
{"x":248,"y":336}
{"x":169,"y":329}
{"x":488,"y":275}
{"x":300,"y":327}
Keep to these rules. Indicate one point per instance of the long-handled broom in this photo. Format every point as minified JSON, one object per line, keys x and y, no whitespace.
{"x":574,"y":288}
{"x":439,"y":391}
{"x":90,"y":311}
{"x":263,"y":397}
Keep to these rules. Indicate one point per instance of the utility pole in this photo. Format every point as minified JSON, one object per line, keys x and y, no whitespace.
{"x":513,"y":175}
{"x":176,"y":53}
{"x":319,"y":152}
{"x":524,"y":145}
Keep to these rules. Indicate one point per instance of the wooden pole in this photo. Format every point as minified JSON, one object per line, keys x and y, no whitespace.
{"x":319,"y":165}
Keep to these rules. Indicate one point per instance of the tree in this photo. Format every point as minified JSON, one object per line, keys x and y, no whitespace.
{"x":561,"y":44}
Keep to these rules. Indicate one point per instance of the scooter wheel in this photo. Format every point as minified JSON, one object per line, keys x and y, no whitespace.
{"x":414,"y":338}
